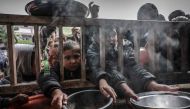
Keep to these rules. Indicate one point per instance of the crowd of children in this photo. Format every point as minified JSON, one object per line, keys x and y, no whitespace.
{"x":110,"y":81}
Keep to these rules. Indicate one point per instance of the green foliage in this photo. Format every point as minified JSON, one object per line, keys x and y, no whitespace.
{"x":24,"y":42}
{"x":67,"y":30}
{"x":3,"y":34}
{"x":46,"y":66}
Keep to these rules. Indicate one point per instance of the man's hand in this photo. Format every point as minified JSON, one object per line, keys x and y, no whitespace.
{"x":154,"y":86}
{"x":107,"y":90}
{"x":128,"y":92}
{"x":59,"y":99}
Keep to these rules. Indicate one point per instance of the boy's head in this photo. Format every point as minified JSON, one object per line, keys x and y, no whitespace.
{"x":111,"y":35}
{"x":71,"y":52}
{"x":53,"y":56}
{"x":45,"y":33}
{"x":175,"y":14}
{"x":76,"y":31}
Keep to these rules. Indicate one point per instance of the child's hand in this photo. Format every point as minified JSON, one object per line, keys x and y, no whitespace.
{"x":18,"y":100}
{"x":59,"y":99}
{"x":129,"y":93}
{"x":154,"y":86}
{"x":107,"y":90}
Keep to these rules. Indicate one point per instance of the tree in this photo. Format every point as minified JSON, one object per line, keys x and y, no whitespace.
{"x":3,"y":33}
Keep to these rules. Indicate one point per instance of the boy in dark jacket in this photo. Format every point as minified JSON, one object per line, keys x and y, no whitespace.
{"x":49,"y":83}
{"x":141,"y":80}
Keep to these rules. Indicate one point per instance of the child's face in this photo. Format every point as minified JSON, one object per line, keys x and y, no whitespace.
{"x":72,"y":59}
{"x":112,"y":37}
{"x":53,"y":55}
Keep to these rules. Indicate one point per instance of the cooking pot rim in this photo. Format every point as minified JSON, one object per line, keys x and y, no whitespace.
{"x":178,"y":93}
{"x":92,"y":90}
{"x":48,"y":7}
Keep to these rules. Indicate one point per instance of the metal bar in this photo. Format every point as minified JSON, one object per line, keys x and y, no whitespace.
{"x":61,"y":55}
{"x":37,"y":50}
{"x":83,"y":59}
{"x":120,"y":50}
{"x":11,"y":52}
{"x":102,"y":49}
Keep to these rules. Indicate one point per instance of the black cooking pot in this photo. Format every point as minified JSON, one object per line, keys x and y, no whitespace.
{"x":69,"y":8}
{"x":88,"y":99}
{"x":162,"y":100}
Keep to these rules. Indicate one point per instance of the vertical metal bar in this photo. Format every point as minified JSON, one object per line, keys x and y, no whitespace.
{"x":11,"y":53}
{"x":82,"y":49}
{"x":102,"y":49}
{"x":184,"y":49}
{"x":137,"y":34}
{"x":151,"y":50}
{"x":37,"y":50}
{"x":61,"y":55}
{"x":136,"y":46}
{"x":169,"y":50}
{"x":120,"y":50}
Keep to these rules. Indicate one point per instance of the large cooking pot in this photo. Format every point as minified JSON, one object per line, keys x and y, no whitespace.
{"x":88,"y":99}
{"x":162,"y":100}
{"x":69,"y":8}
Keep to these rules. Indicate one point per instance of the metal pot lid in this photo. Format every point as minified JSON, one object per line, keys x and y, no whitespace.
{"x":163,"y":100}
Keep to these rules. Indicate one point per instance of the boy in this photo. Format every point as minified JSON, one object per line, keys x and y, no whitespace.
{"x":49,"y":83}
{"x":140,"y":79}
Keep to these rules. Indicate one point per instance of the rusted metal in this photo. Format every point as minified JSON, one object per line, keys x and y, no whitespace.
{"x":61,"y":55}
{"x":11,"y":56}
{"x":37,"y":50}
{"x":11,"y":20}
{"x":83,"y":54}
